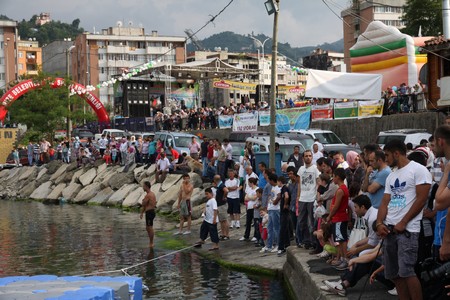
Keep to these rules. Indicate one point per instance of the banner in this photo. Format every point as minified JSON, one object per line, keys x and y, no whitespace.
{"x":370,"y":109}
{"x":293,"y":118}
{"x":322,"y":112}
{"x":291,"y":89}
{"x":234,"y":85}
{"x":245,"y":122}
{"x":346,"y":110}
{"x":264,"y":118}
{"x":225,"y":121}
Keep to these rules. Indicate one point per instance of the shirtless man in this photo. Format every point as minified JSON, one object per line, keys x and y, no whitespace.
{"x":184,"y":203}
{"x":149,"y":206}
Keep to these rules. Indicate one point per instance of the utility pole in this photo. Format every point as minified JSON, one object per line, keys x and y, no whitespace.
{"x":69,"y":120}
{"x":273,"y":87}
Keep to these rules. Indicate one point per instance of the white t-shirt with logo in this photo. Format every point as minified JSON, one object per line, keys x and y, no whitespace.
{"x":232,"y":183}
{"x":272,"y":197}
{"x":308,"y":179}
{"x":211,"y":205}
{"x":401,"y":185}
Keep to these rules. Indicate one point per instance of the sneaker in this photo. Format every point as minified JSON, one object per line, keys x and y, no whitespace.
{"x":274,"y":249}
{"x":335,"y":287}
{"x":177,"y":233}
{"x":243,"y":239}
{"x":325,"y":288}
{"x":238,"y":224}
{"x":226,"y":238}
{"x":281,"y":252}
{"x":343,"y":266}
{"x":323,"y":254}
{"x":336,"y":263}
{"x":393,"y":292}
{"x":187,"y":232}
{"x":232,"y":224}
{"x":264,"y":250}
{"x":254,"y":239}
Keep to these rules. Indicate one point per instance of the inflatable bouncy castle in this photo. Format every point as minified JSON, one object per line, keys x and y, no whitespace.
{"x":384,"y":50}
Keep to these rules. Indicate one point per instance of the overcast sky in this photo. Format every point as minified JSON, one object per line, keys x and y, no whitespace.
{"x":302,"y":22}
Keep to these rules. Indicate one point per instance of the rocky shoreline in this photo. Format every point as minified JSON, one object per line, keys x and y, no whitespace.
{"x":97,"y":184}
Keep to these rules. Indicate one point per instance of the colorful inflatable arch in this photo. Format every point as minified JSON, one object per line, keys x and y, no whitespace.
{"x":385,"y":50}
{"x":28,"y":85}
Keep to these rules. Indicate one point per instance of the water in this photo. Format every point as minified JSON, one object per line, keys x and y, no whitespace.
{"x":74,"y":240}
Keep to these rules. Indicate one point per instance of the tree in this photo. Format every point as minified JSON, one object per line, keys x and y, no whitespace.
{"x":425,"y":14}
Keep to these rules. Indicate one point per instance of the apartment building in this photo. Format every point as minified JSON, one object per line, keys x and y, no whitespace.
{"x":357,"y":17}
{"x":8,"y":52}
{"x":99,"y":56}
{"x":29,"y":57}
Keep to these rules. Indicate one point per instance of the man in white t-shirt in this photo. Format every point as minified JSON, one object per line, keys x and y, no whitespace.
{"x":209,"y":225}
{"x":316,"y":153}
{"x":309,"y":175}
{"x":273,"y":210}
{"x":233,"y":198}
{"x":162,"y":168}
{"x":249,"y":174}
{"x":102,"y":143}
{"x":339,"y":160}
{"x":398,"y":220}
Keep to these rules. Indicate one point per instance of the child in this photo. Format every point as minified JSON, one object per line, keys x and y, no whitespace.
{"x":284,"y":239}
{"x":324,"y":236}
{"x":209,"y":225}
{"x":249,"y":201}
{"x":107,"y":156}
{"x":339,"y":218}
{"x":264,"y":223}
{"x":257,"y":217}
{"x":15,"y":154}
{"x":114,"y":154}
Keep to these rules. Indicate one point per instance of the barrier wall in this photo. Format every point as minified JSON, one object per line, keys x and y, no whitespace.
{"x":8,"y":137}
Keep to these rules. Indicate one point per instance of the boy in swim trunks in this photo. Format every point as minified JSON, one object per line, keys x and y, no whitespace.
{"x":149,"y":206}
{"x":184,"y":204}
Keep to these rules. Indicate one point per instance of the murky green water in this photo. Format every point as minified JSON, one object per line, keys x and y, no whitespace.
{"x":74,"y":240}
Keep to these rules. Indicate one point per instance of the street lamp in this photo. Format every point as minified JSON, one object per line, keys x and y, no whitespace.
{"x":272,"y":7}
{"x":69,"y":121}
{"x":261,"y":95}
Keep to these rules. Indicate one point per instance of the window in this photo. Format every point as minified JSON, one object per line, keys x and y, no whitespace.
{"x":20,"y":67}
{"x":20,"y":54}
{"x":2,"y":76}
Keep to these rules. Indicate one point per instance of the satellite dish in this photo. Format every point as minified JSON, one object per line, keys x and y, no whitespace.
{"x":119,"y":24}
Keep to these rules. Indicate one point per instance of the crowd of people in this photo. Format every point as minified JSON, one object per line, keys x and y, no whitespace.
{"x":380,"y":213}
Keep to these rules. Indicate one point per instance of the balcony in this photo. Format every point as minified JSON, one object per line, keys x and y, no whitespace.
{"x":31,"y":60}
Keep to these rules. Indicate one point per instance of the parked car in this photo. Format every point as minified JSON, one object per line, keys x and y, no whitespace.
{"x":113,"y":133}
{"x":262,"y":143}
{"x":23,"y":159}
{"x":330,"y":141}
{"x":178,"y":140}
{"x":306,"y":140}
{"x":413,"y":136}
{"x":237,"y":150}
{"x":241,"y":136}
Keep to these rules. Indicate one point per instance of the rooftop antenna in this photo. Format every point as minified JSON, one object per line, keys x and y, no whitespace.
{"x":194,"y":39}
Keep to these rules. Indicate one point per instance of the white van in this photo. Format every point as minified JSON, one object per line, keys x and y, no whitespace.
{"x":262,"y":144}
{"x":413,"y":136}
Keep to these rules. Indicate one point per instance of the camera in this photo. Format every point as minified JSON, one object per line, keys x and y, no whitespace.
{"x":440,"y":272}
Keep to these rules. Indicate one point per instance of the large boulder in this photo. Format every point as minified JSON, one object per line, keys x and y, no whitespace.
{"x":42,"y":179}
{"x":27,"y":190}
{"x":196,"y":180}
{"x":100,"y":169}
{"x":65,"y":178}
{"x":14,"y":172}
{"x":120,"y":195}
{"x":166,"y":200}
{"x":29,"y":173}
{"x":53,"y":166}
{"x":72,"y":166}
{"x":197,"y":211}
{"x":4,"y":173}
{"x":59,"y":173}
{"x":138,"y":172}
{"x":76,"y":176}
{"x":57,"y":192}
{"x":87,"y":193}
{"x":71,"y":190}
{"x":41,"y":173}
{"x":118,"y":180}
{"x":170,"y":181}
{"x":198,"y":197}
{"x":88,"y":177}
{"x":102,"y":196}
{"x":42,"y":191}
{"x":134,"y":198}
{"x":106,"y":177}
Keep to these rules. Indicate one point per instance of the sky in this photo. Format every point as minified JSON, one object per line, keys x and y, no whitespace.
{"x":301,"y":22}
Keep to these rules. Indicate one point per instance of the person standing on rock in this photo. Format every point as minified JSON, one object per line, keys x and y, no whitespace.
{"x":209,"y":225}
{"x":148,"y":207}
{"x":184,"y":203}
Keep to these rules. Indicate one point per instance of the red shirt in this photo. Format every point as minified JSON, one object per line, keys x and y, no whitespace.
{"x":175,"y":154}
{"x":342,"y":212}
{"x":210,"y":152}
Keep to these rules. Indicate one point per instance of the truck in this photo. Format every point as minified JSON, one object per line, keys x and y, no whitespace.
{"x":113,"y":133}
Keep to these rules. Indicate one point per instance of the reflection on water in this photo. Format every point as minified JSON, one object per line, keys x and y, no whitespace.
{"x":73,"y":240}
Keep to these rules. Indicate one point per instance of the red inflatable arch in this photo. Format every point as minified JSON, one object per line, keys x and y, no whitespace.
{"x":28,"y":85}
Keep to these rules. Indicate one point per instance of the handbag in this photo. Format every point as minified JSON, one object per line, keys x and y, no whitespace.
{"x":359,"y":232}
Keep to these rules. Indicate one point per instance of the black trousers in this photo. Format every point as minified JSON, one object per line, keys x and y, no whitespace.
{"x":211,"y":229}
{"x":248,"y":223}
{"x":360,"y":270}
{"x":284,"y":240}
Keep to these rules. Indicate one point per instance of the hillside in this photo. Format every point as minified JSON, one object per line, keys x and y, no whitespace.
{"x":241,"y":43}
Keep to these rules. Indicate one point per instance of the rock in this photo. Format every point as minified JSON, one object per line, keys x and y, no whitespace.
{"x":166,"y":200}
{"x":196,"y":180}
{"x":88,"y":177}
{"x":134,"y":198}
{"x":44,"y":178}
{"x":65,"y":178}
{"x":87,"y":193}
{"x":100,"y":169}
{"x":99,"y":162}
{"x":27,"y":189}
{"x":13,"y":173}
{"x":198,"y":197}
{"x":28,"y":173}
{"x":41,"y":173}
{"x":60,"y":172}
{"x":71,"y":190}
{"x":102,"y":173}
{"x":102,"y":196}
{"x":120,"y":195}
{"x":118,"y":180}
{"x":42,"y":191}
{"x":53,"y":166}
{"x":197,"y":211}
{"x":76,"y":176}
{"x":57,"y":192}
{"x":170,"y":181}
{"x":137,"y":173}
{"x":4,"y":173}
{"x":72,"y":166}
{"x":107,"y":176}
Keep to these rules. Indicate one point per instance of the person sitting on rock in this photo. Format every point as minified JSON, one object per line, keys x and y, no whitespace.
{"x":162,"y":168}
{"x":182,"y":166}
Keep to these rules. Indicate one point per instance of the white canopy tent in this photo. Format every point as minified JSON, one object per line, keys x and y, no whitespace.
{"x":357,"y":86}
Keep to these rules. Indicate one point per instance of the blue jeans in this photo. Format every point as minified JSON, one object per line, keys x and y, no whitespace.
{"x":30,"y":159}
{"x":273,"y":228}
{"x":205,"y":162}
